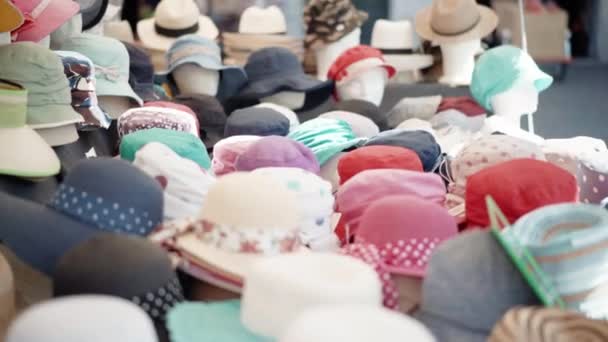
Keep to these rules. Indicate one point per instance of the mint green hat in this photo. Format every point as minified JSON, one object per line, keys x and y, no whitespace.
{"x":184,"y":144}
{"x":326,"y":137}
{"x":500,"y":68}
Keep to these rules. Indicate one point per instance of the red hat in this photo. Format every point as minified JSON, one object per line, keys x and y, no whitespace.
{"x":377,"y":157}
{"x":356,"y":60}
{"x":518,"y":186}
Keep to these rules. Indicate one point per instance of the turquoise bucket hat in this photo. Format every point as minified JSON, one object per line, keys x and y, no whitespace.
{"x":500,"y":68}
{"x":326,"y":137}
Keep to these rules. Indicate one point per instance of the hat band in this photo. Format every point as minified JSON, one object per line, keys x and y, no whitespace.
{"x":158,"y":303}
{"x":14,"y":107}
{"x":457,"y":33}
{"x":406,"y":253}
{"x":397,"y":51}
{"x":174,"y":33}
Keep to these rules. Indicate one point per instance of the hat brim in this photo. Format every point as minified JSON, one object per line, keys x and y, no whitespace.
{"x":26,"y":154}
{"x":486,"y":25}
{"x":93,"y":14}
{"x":56,"y":114}
{"x":120,"y":89}
{"x":273,"y":85}
{"x":56,"y":14}
{"x":445,"y":330}
{"x":59,"y":136}
{"x":152,"y":40}
{"x":409,"y":62}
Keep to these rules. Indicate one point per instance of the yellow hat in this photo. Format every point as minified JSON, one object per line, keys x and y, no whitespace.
{"x":10,"y":16}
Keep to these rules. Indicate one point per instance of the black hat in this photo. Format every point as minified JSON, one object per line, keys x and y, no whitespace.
{"x":92,"y":12}
{"x":421,"y":142}
{"x":210,"y":113}
{"x":141,"y":73}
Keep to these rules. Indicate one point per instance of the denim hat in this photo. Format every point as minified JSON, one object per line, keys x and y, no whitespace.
{"x":275,"y":151}
{"x":211,"y":115}
{"x":205,"y":53}
{"x":326,"y":137}
{"x":185,"y":144}
{"x":256,"y":121}
{"x":421,"y":142}
{"x":470,"y":283}
{"x":500,"y":68}
{"x":141,"y":73}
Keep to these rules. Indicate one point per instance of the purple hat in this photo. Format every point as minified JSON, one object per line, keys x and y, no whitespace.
{"x":276,"y":151}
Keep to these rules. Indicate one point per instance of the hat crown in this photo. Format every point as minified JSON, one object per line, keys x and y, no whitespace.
{"x":258,"y":20}
{"x":109,"y":55}
{"x":194,"y":45}
{"x":176,"y":14}
{"x":272,"y":61}
{"x":453,"y":17}
{"x":392,"y":34}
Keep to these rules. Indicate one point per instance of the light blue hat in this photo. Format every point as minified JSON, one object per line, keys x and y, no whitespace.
{"x":500,"y":68}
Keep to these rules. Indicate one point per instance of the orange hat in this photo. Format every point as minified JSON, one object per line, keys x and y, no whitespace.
{"x":10,"y":16}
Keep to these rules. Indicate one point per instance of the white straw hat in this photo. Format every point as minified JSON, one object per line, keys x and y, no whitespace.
{"x":396,"y":41}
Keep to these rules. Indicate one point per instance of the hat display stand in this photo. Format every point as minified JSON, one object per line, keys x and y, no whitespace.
{"x":327,"y":54}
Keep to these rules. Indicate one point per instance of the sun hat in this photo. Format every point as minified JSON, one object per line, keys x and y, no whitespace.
{"x":514,"y":66}
{"x":593,"y":178}
{"x":537,"y":324}
{"x":184,"y":183}
{"x":355,"y":324}
{"x":395,"y":39}
{"x":92,"y":12}
{"x":49,"y":102}
{"x":211,"y":115}
{"x":10,"y":16}
{"x":377,"y":157}
{"x":275,"y":151}
{"x":80,"y":72}
{"x":326,"y":137}
{"x":141,"y":73}
{"x":256,"y":121}
{"x":173,"y":19}
{"x":103,"y":317}
{"x":329,"y":171}
{"x":532,"y":182}
{"x":184,"y":144}
{"x":25,"y":154}
{"x":294,"y":121}
{"x":315,"y":205}
{"x":365,"y":108}
{"x":227,"y":151}
{"x":7,"y":295}
{"x":42,"y":18}
{"x":362,"y":126}
{"x":327,"y":21}
{"x":454,"y":21}
{"x":137,"y":119}
{"x":421,"y":142}
{"x":257,"y":20}
{"x":112,"y":63}
{"x":424,"y":107}
{"x":458,"y":266}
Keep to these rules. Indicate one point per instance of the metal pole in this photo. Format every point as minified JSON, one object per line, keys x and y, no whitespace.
{"x":524,"y":46}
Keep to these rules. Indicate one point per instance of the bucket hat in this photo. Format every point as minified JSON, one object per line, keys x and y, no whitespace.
{"x":514,"y":66}
{"x":227,"y":151}
{"x":453,"y":21}
{"x":274,"y":151}
{"x":26,"y":153}
{"x":260,"y":121}
{"x":92,"y":12}
{"x":421,"y":142}
{"x":294,"y":121}
{"x":137,"y":119}
{"x":42,"y":18}
{"x":593,"y":178}
{"x":327,"y":21}
{"x":11,"y":17}
{"x":362,"y":126}
{"x":365,"y":108}
{"x":258,"y":20}
{"x":211,"y":116}
{"x":141,"y":73}
{"x":395,"y":39}
{"x":7,"y":295}
{"x":173,"y":19}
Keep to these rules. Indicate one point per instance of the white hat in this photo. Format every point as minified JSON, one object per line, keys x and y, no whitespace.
{"x":355,"y":324}
{"x":257,"y":20}
{"x":396,"y":41}
{"x":172,"y":19}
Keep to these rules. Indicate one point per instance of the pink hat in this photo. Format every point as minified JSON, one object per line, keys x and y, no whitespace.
{"x":43,"y":17}
{"x":365,"y":188}
{"x":226,"y":152}
{"x":406,"y":230}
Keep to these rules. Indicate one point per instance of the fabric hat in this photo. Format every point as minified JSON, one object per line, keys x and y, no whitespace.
{"x":227,"y":151}
{"x":112,"y":63}
{"x":72,"y":27}
{"x":327,"y":21}
{"x":10,"y":17}
{"x":458,"y":266}
{"x":104,"y":317}
{"x":206,"y":54}
{"x":464,"y":104}
{"x":294,"y":121}
{"x":424,"y":107}
{"x":593,"y":178}
{"x":362,"y":126}
{"x":272,"y":70}
{"x":315,"y":205}
{"x":421,"y":142}
{"x":365,"y":108}
{"x":257,"y":20}
{"x":137,"y":119}
{"x":171,"y":105}
{"x":256,"y":121}
{"x":7,"y":295}
{"x":141,"y":73}
{"x":92,"y":12}
{"x":131,"y":268}
{"x":377,"y":157}
{"x":355,"y":324}
{"x":184,"y":144}
{"x":454,"y":21}
{"x":395,"y":39}
{"x":515,"y":66}
{"x":25,"y":154}
{"x":568,"y":153}
{"x":534,"y":183}
{"x":42,"y":18}
{"x":173,"y":19}
{"x":355,"y":196}
{"x":80,"y":72}
{"x":329,"y":171}
{"x":184,"y":183}
{"x":355,"y":61}
{"x":536,"y":324}
{"x":211,"y":115}
{"x":49,"y":102}
{"x":326,"y":137}
{"x":274,"y":151}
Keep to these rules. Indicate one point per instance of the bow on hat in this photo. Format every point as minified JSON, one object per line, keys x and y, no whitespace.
{"x":111,"y":73}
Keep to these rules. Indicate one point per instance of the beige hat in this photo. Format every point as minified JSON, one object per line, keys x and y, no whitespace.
{"x":453,"y":21}
{"x":396,"y":41}
{"x":257,"y":20}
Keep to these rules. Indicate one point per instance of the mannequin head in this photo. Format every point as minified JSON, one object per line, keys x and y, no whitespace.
{"x":459,"y":62}
{"x":192,"y":79}
{"x":328,"y":53}
{"x":115,"y":105}
{"x":46,"y":42}
{"x":291,"y":99}
{"x":410,"y":292}
{"x":368,"y":85}
{"x":521,"y":99}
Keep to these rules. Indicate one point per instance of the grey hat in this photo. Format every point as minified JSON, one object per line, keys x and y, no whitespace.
{"x":365,"y":108}
{"x":256,"y":121}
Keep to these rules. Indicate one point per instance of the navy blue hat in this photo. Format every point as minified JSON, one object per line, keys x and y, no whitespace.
{"x":141,"y":73}
{"x":256,"y":121}
{"x":421,"y":142}
{"x":210,"y":114}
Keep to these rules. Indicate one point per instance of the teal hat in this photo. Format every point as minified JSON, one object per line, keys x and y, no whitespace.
{"x":326,"y":137}
{"x":184,"y":144}
{"x":500,"y":68}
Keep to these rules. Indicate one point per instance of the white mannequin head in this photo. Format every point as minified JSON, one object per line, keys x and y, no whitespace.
{"x":115,"y":105}
{"x":521,"y":99}
{"x":46,"y":42}
{"x":5,"y":38}
{"x":459,"y":62}
{"x":330,"y":52}
{"x":192,"y":79}
{"x":291,"y":99}
{"x":368,"y":85}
